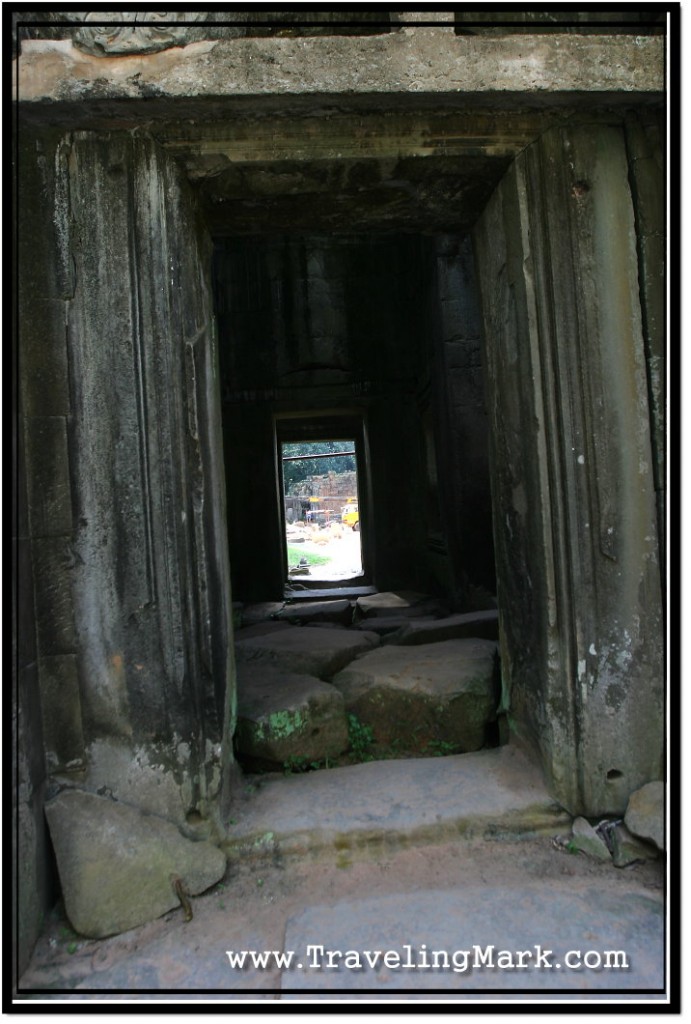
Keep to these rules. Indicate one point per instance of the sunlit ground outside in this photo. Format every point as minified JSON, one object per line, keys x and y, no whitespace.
{"x":323,"y":552}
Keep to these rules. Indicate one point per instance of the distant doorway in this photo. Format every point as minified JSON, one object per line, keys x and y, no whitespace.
{"x":322,"y":465}
{"x":321,"y":510}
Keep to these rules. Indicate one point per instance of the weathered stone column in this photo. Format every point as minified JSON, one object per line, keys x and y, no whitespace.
{"x":573,"y":489}
{"x":151,"y":590}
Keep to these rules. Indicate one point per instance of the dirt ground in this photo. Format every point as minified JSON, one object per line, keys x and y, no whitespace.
{"x":260,"y":897}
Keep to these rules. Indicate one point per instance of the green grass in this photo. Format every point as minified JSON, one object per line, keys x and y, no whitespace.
{"x":295,"y":553}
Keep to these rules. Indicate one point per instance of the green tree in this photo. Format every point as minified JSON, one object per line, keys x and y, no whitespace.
{"x":295,"y":470}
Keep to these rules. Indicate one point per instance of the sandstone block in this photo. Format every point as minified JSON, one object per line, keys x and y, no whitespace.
{"x":626,"y":848}
{"x":306,"y":650}
{"x":387,"y":624}
{"x":282,"y":716}
{"x":253,"y":613}
{"x":645,"y":813}
{"x":402,"y":603}
{"x":118,"y":866}
{"x":308,"y":612}
{"x":586,"y":839}
{"x":484,"y":625}
{"x":260,"y":629}
{"x":437,"y":693}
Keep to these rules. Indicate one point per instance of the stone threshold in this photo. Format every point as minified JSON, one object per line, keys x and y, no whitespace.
{"x":492,"y":793}
{"x":311,"y":593}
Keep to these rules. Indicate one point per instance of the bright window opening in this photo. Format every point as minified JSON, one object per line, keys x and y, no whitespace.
{"x":322,"y":517}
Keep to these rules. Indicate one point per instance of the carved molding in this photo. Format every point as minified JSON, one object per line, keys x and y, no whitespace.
{"x":125,"y":34}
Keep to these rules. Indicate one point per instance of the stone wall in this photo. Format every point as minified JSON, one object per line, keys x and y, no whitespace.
{"x":45,"y":628}
{"x":462,"y":422}
{"x":572,"y":467}
{"x":125,"y":500}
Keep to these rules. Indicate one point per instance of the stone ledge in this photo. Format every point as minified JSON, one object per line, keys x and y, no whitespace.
{"x":427,"y":60}
{"x":493,"y":794}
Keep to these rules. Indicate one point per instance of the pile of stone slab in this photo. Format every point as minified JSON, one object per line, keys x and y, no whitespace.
{"x":420,"y":680}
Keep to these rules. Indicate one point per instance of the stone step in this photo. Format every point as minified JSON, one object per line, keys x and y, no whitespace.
{"x":444,"y":694}
{"x":339,"y":612}
{"x":490,"y":793}
{"x":484,"y":625}
{"x":286,"y":718}
{"x":306,"y":649}
{"x":401,"y":603}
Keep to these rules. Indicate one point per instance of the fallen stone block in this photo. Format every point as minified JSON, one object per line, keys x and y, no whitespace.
{"x":627,"y":849}
{"x":586,"y":839}
{"x":311,"y":612}
{"x":645,"y":813}
{"x":120,"y":868}
{"x":427,"y":698}
{"x":285,"y":717}
{"x":483,"y":625}
{"x":306,"y":649}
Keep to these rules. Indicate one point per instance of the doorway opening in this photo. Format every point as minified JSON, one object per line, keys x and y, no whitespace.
{"x":322,"y":496}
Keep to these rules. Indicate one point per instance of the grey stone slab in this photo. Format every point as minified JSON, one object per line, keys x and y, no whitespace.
{"x":488,"y":793}
{"x":118,"y":866}
{"x":488,"y":937}
{"x":339,"y":612}
{"x":586,"y":839}
{"x":627,"y":849}
{"x":388,"y":624}
{"x":402,"y":603}
{"x":260,"y":612}
{"x":645,"y":813}
{"x":433,"y":693}
{"x":260,"y":629}
{"x":283,"y":716}
{"x":484,"y":625}
{"x":304,"y":649}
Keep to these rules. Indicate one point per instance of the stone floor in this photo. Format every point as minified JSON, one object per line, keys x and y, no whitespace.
{"x":416,"y":678}
{"x":425,"y":879}
{"x":401,"y":880}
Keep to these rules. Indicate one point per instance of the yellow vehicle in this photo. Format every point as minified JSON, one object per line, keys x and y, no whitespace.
{"x":350,"y":515}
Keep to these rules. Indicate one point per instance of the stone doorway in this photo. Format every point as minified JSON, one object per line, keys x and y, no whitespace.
{"x":376,"y":335}
{"x":553,"y":168}
{"x":543,"y":242}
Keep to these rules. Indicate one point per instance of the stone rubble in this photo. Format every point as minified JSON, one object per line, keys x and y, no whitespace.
{"x":586,"y":839}
{"x":645,"y":813}
{"x":118,"y":867}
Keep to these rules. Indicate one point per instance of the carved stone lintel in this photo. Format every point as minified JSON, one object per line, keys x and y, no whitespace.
{"x":125,"y":35}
